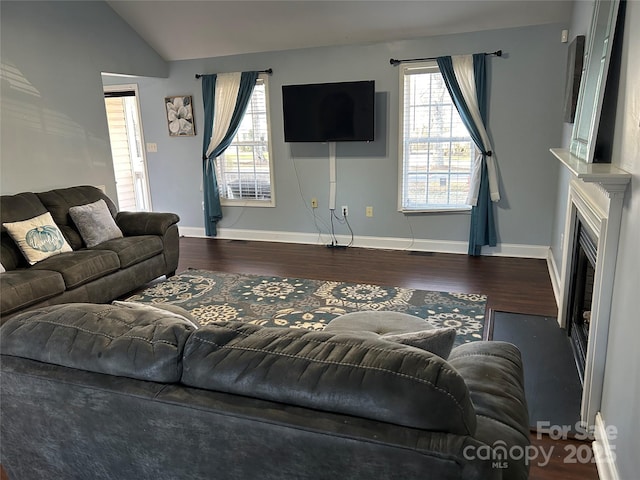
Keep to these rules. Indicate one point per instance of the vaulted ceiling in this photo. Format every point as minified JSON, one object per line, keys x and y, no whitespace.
{"x":187,"y":29}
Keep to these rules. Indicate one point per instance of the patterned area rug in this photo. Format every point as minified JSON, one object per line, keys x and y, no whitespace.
{"x":310,"y":304}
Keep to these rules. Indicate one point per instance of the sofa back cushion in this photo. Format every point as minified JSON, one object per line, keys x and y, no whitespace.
{"x":338,"y":372}
{"x":16,"y":208}
{"x":142,"y":344}
{"x":59,"y":201}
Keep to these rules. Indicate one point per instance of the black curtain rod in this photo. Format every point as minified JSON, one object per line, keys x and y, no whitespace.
{"x":268,"y":71}
{"x":394,"y":62}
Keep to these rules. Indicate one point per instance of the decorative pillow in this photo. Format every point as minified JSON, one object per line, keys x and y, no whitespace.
{"x":95,"y":223}
{"x":436,"y":340}
{"x":38,"y":238}
{"x":168,"y":309}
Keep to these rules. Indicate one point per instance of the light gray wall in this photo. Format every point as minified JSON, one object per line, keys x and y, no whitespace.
{"x":53,"y":123}
{"x":54,"y":130}
{"x":580,"y":23}
{"x":621,"y":399}
{"x":525,"y":114}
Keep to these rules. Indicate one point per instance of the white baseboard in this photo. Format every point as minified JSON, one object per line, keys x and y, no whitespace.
{"x":388,"y":243}
{"x":604,"y":452}
{"x":554,"y":274}
{"x":190,"y":231}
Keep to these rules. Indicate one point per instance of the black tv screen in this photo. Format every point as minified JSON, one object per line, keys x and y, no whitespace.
{"x":329,"y":112}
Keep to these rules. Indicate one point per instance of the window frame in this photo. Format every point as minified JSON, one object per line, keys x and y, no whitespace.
{"x":247,"y":202}
{"x":430,"y":66}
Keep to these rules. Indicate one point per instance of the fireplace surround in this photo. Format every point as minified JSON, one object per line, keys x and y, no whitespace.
{"x":594,"y":212}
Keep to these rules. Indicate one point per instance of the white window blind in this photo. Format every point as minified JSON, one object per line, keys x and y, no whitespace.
{"x":244,"y":170}
{"x":436,"y":149}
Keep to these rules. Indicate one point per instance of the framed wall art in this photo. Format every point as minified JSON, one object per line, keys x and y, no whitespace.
{"x":594,"y":78}
{"x":179,"y":110}
{"x":574,"y":74}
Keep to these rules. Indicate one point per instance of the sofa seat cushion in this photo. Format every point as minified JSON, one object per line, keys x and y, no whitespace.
{"x":337,"y":372}
{"x":493,"y":372}
{"x":82,"y":266}
{"x":146,"y":345}
{"x":24,"y":287}
{"x":132,"y":250}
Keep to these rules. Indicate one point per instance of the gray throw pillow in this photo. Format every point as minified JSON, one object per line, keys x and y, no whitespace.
{"x":95,"y":223}
{"x":167,"y":309}
{"x":436,"y":340}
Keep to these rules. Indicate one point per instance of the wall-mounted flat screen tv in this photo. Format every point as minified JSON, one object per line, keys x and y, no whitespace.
{"x":329,"y":112}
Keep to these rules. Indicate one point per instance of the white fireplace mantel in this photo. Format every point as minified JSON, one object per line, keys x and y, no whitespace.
{"x":596,"y":195}
{"x":612,"y":179}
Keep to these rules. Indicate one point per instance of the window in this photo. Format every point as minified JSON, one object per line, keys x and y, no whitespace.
{"x":244,"y":169}
{"x":436,"y":149}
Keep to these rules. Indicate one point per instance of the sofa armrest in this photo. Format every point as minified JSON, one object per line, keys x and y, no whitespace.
{"x":494,"y":374}
{"x":145,"y":223}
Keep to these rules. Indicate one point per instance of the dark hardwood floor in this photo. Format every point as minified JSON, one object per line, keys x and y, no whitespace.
{"x":511,"y":285}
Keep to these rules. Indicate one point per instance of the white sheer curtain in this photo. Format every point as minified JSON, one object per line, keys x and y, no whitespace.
{"x":227,"y":88}
{"x":463,"y":69}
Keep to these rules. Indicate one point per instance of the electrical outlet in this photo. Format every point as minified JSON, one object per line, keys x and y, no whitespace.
{"x":369,"y":211}
{"x":345,"y":211}
{"x":314,"y":203}
{"x":152,"y":147}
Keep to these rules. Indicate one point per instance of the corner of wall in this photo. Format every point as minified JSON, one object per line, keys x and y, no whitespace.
{"x":604,"y":451}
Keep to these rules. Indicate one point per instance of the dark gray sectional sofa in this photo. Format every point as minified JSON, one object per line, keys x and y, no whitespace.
{"x":103,"y":392}
{"x":148,"y":249}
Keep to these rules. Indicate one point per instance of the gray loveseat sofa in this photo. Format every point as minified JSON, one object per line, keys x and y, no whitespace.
{"x":104,"y":392}
{"x":149,"y":248}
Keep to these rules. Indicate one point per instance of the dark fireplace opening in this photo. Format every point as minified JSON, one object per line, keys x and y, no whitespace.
{"x":581,"y":295}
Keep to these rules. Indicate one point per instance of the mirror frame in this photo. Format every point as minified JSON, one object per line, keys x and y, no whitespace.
{"x":594,"y":78}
